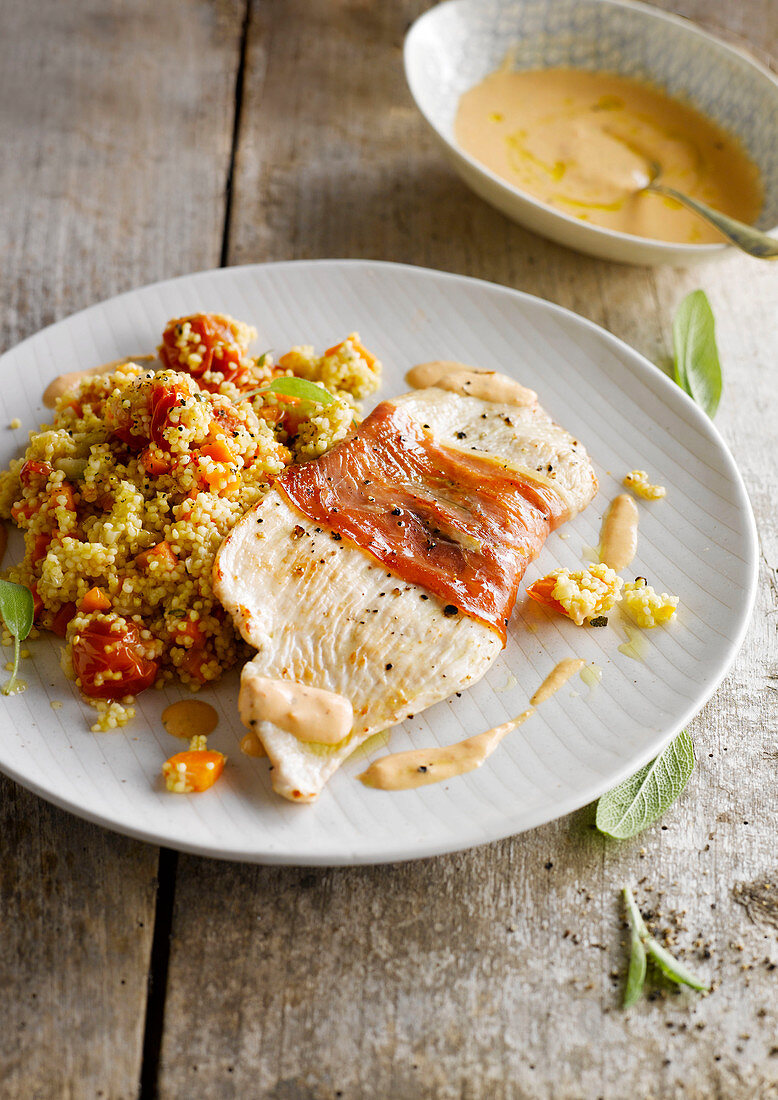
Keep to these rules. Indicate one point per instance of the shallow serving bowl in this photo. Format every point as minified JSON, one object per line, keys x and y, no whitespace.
{"x":456,"y":44}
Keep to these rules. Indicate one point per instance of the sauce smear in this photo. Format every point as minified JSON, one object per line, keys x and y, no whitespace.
{"x":489,"y":385}
{"x":619,"y":534}
{"x":190,"y":718}
{"x":309,"y":714}
{"x":583,"y":142}
{"x":64,"y":382}
{"x":402,"y":771}
{"x":557,"y":678}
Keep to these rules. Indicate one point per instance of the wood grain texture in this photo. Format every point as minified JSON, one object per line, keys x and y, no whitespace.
{"x":497,"y":972}
{"x":115,"y":129}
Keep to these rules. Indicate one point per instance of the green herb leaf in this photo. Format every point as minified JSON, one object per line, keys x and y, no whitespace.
{"x":17,"y":609}
{"x":636,"y":975}
{"x":697,"y":366}
{"x":295,"y":387}
{"x":641,"y":799}
{"x":642,"y":943}
{"x":674,"y":970}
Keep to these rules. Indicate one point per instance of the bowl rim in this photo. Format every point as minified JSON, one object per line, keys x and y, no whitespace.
{"x":641,"y":9}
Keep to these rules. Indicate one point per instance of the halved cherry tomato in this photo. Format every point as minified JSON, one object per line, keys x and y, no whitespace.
{"x":163,"y":399}
{"x":193,"y":770}
{"x":193,"y":663}
{"x":541,"y":591}
{"x":59,"y":624}
{"x":98,"y":650}
{"x":94,"y":600}
{"x":217,"y":335}
{"x":33,"y":472}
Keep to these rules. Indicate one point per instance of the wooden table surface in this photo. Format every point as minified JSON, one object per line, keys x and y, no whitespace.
{"x":142,"y":139}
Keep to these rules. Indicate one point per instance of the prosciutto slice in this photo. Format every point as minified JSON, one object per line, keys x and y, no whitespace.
{"x":461,"y":526}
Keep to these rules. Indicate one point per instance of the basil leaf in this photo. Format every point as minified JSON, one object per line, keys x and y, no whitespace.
{"x":641,"y":799}
{"x":16,"y":608}
{"x":697,"y":366}
{"x":295,"y":387}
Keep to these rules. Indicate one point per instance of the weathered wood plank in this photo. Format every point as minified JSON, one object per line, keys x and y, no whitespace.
{"x":489,"y":973}
{"x":115,"y":127}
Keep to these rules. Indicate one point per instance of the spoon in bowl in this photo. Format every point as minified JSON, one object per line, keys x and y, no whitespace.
{"x":743,"y":236}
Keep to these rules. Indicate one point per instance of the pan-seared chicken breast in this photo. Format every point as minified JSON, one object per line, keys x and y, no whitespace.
{"x":325,"y":603}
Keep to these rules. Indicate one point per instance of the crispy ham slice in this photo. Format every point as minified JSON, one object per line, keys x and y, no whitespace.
{"x":386,"y":571}
{"x":461,"y":526}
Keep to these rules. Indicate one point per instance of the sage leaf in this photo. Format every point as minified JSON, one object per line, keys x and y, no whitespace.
{"x":643,"y":944}
{"x":640,"y":800}
{"x":697,"y":369}
{"x":300,"y":388}
{"x":17,"y":609}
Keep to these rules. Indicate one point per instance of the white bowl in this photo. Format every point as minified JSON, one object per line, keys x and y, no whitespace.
{"x":456,"y":44}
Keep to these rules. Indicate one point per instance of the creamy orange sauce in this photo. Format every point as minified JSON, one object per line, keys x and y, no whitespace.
{"x":583,"y":142}
{"x":404,"y":770}
{"x":557,"y":678}
{"x":309,"y":714}
{"x":489,"y":385}
{"x":190,"y":718}
{"x":64,"y":382}
{"x":619,"y":534}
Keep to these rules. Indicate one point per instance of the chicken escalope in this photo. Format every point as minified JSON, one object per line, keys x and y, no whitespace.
{"x":385,"y":572}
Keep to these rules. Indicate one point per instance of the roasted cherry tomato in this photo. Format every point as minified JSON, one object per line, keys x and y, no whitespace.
{"x":35,"y":473}
{"x":219,"y":339}
{"x":100,"y":650}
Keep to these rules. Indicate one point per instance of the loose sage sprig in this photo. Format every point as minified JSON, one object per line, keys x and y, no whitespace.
{"x":640,"y":800}
{"x":289,"y":386}
{"x":697,"y":369}
{"x":17,"y":610}
{"x":642,"y":947}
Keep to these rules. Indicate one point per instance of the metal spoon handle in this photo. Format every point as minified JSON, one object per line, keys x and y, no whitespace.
{"x":745,"y":237}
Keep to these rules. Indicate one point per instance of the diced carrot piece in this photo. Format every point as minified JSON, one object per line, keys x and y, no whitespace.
{"x":358,"y":348}
{"x":40,"y":548}
{"x":194,"y":662}
{"x":162,"y":553}
{"x":541,"y":592}
{"x":94,"y":600}
{"x":193,"y":770}
{"x":59,"y":623}
{"x":218,"y":451}
{"x":184,"y":629}
{"x":155,"y":461}
{"x":64,"y":496}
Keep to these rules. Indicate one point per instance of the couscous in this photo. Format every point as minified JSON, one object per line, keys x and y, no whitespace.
{"x":125,"y":498}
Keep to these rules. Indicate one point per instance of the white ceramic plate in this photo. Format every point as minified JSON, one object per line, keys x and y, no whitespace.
{"x":699,"y":543}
